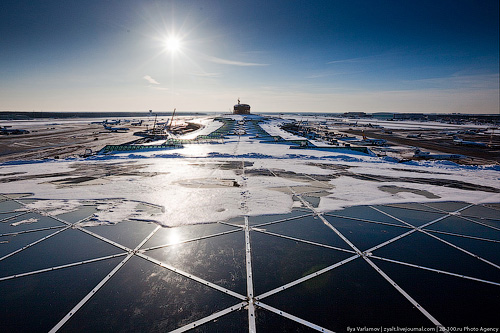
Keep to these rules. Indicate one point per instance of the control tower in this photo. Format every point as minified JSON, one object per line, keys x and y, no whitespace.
{"x":241,"y":108}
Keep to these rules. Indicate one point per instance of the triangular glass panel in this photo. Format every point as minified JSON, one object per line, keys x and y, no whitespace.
{"x":309,"y":228}
{"x":462,"y":226}
{"x":335,"y":299}
{"x":363,"y":213}
{"x":144,"y":297}
{"x":220,"y":260}
{"x":68,"y":246}
{"x":484,"y":249}
{"x":448,"y":206}
{"x":412,"y":206}
{"x":236,"y":321}
{"x":29,"y":221}
{"x":79,"y":214}
{"x":365,"y":235}
{"x":127,"y":233}
{"x":412,"y":217}
{"x":14,"y":242}
{"x":267,"y":321}
{"x":261,"y":219}
{"x":453,"y":301}
{"x":174,"y":235}
{"x":277,"y":261}
{"x":37,"y":302}
{"x":8,"y":206}
{"x":482,"y":212}
{"x":423,"y":250}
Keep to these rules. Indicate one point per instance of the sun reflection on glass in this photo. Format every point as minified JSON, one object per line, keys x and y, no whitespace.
{"x":174,"y":236}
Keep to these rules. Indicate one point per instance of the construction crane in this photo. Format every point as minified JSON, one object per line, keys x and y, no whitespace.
{"x":171,"y":120}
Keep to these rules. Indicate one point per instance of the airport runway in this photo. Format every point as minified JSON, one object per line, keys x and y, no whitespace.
{"x":71,"y":139}
{"x":61,"y":140}
{"x":431,"y":140}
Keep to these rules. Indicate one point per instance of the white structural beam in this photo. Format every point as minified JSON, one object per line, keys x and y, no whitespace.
{"x":283,"y":220}
{"x":31,"y":230}
{"x":404,"y":293}
{"x":463,"y":236}
{"x":34,"y":243}
{"x":385,"y":276}
{"x":89,"y":295}
{"x":191,"y":276}
{"x":303,"y":240}
{"x":435,"y":270}
{"x":190,"y":240}
{"x":104,"y":239}
{"x":6,"y":219}
{"x":366,"y":220}
{"x":420,"y":229}
{"x":305,"y":278}
{"x":100,"y":284}
{"x":292,"y":317}
{"x":147,"y":238}
{"x":392,"y":240}
{"x":406,"y":233}
{"x":250,"y":292}
{"x":461,"y":249}
{"x":468,"y":218}
{"x":248,"y":255}
{"x":61,"y":266}
{"x":207,"y":319}
{"x":363,"y":255}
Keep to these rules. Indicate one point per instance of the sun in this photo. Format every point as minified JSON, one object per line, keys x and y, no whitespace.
{"x":173,"y":44}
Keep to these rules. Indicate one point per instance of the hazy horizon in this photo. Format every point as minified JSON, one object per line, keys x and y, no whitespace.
{"x":201,"y":112}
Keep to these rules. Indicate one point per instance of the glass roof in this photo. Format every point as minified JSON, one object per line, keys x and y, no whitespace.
{"x":410,"y":265}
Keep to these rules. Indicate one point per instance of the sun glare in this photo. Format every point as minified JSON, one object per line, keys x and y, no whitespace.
{"x":172,"y":43}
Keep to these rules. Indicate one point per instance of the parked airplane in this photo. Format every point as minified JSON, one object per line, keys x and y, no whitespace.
{"x":372,"y":142}
{"x":428,"y":155}
{"x":449,"y":133}
{"x":5,"y":130}
{"x":106,"y":122}
{"x":116,"y":129}
{"x":461,"y":142}
{"x":138,"y":123}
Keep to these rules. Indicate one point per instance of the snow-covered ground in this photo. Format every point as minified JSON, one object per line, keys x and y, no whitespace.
{"x":388,"y":124}
{"x":207,"y":182}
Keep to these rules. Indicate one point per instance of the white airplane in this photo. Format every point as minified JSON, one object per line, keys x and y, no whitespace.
{"x":372,"y":142}
{"x":428,"y":155}
{"x":106,"y":122}
{"x":461,"y":142}
{"x":116,"y":129}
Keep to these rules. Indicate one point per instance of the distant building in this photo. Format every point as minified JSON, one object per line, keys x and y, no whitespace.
{"x":241,"y":108}
{"x":383,"y":115}
{"x":355,"y":115}
{"x":410,"y":116}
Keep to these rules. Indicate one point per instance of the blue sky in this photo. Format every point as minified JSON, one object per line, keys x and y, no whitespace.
{"x":277,"y":56}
